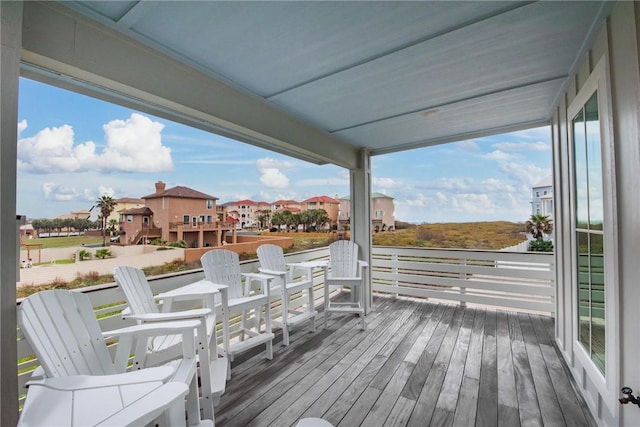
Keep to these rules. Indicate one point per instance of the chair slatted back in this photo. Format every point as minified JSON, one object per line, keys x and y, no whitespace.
{"x":271,"y":257}
{"x":343,"y":258}
{"x":136,"y":288}
{"x":62,"y":329}
{"x":223,"y":267}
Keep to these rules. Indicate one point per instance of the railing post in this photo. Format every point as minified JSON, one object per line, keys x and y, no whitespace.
{"x":394,"y":271}
{"x":463,"y":276}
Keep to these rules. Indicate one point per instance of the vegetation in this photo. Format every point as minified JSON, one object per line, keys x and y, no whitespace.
{"x":57,"y":225}
{"x":311,"y":220}
{"x":103,"y":253}
{"x":467,"y":235}
{"x":64,"y":241}
{"x":84,"y":255}
{"x":106,"y":204}
{"x":539,"y":225}
{"x":540,"y":245}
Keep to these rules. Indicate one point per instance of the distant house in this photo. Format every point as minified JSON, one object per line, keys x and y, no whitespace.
{"x":79,"y":214}
{"x":174,"y":214}
{"x":285,"y":205}
{"x":542,"y":197}
{"x":382,"y":212}
{"x":137,"y":226}
{"x":125,"y":203}
{"x":246,"y":212}
{"x":329,"y":204}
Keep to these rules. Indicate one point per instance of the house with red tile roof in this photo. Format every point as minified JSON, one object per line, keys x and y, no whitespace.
{"x":329,"y":204}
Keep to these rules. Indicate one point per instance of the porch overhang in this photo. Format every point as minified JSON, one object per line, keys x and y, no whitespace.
{"x":318,"y":81}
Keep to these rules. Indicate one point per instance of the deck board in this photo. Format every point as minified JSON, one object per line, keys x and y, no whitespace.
{"x":417,"y":363}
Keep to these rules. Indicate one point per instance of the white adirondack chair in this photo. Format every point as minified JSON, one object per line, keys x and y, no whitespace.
{"x":79,"y":384}
{"x":144,"y":309}
{"x":288,"y":286}
{"x":222,"y":267}
{"x":345,"y":270}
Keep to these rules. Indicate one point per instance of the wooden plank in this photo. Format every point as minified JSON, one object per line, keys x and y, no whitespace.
{"x":360,"y":408}
{"x":399,"y":416}
{"x":431,"y":389}
{"x":508,"y":414}
{"x":573,"y":407}
{"x":465,"y":414}
{"x":547,"y":399}
{"x":450,"y":390}
{"x":345,"y":391}
{"x":387,"y":400}
{"x":410,"y":331}
{"x":330,"y":374}
{"x":487,"y":414}
{"x":525,"y":387}
{"x":295,"y":402}
{"x":420,"y":373}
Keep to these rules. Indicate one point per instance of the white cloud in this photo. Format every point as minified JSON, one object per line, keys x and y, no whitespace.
{"x":22,"y":125}
{"x":469,"y":145}
{"x":133,"y":145}
{"x":270,"y":173}
{"x":385,"y":184}
{"x":522,"y":146}
{"x":53,"y":191}
{"x":497,"y":155}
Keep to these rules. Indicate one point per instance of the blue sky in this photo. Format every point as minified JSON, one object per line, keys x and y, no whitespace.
{"x":73,"y":149}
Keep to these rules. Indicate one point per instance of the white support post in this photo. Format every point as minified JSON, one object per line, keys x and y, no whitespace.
{"x":10,"y":46}
{"x":360,"y":180}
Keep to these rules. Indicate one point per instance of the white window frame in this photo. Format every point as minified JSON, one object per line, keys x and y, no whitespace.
{"x":607,"y":384}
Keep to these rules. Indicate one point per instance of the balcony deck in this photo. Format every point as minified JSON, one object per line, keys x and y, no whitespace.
{"x":417,"y":364}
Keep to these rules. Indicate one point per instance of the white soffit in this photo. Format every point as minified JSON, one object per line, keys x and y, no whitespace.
{"x":386,"y":76}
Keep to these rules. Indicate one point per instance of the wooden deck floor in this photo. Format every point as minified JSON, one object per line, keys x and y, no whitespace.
{"x":417,"y":364}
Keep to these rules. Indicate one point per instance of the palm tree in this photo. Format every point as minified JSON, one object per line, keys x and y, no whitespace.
{"x":106,"y":204}
{"x":539,"y":225}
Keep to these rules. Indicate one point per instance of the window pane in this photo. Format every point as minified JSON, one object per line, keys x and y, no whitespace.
{"x":594,"y":162}
{"x":584,"y":294}
{"x":596,"y":259}
{"x":580,"y":159}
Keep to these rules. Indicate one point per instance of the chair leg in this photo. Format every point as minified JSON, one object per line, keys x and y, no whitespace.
{"x":285,"y":318}
{"x":311,"y":308}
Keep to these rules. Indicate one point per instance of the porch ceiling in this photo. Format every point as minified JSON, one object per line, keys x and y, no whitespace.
{"x":387,"y":76}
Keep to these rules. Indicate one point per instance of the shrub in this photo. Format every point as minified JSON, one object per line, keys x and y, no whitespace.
{"x":541,"y":245}
{"x":178,"y":244}
{"x":84,"y":255}
{"x":103,"y":253}
{"x":158,"y":242}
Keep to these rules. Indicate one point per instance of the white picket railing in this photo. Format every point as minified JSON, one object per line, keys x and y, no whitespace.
{"x":510,"y":280}
{"x":505,"y":279}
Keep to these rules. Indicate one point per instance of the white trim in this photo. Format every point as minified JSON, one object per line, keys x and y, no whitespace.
{"x":606,"y":385}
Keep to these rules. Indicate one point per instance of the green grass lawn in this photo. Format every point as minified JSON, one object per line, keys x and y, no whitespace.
{"x":63,"y":242}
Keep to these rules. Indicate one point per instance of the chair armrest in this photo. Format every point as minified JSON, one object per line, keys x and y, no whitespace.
{"x":264,"y":280}
{"x":154,"y":329}
{"x":80,"y":382}
{"x":173,"y":315}
{"x":272,"y":272}
{"x":149,"y":407}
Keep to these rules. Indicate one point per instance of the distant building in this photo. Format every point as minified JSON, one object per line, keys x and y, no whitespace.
{"x":246,"y":212}
{"x":542,"y":197}
{"x":382,"y":212}
{"x":125,"y":203}
{"x":329,"y":204}
{"x":178,"y":213}
{"x":80,"y":214}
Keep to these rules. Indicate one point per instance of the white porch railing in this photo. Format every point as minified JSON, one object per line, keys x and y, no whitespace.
{"x":524,"y":281}
{"x":505,"y":279}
